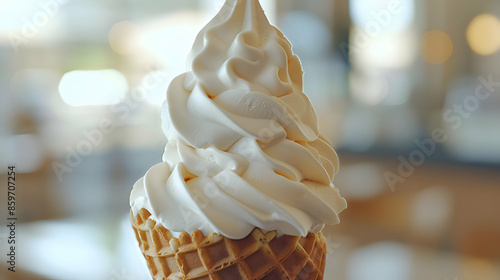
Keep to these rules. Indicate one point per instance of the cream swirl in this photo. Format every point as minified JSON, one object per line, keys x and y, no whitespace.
{"x":243,"y":148}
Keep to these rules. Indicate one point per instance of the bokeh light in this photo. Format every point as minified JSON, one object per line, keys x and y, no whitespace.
{"x":63,"y":239}
{"x":389,"y":15}
{"x":483,"y":34}
{"x":384,"y":260}
{"x":93,"y":87}
{"x":436,"y":47}
{"x":121,"y":37}
{"x":394,"y":50}
{"x":156,"y":37}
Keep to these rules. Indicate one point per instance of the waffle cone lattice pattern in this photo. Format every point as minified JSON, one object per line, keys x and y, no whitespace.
{"x":214,"y":257}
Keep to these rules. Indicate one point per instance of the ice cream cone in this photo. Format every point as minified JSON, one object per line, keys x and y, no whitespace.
{"x":244,"y":154}
{"x":260,"y":255}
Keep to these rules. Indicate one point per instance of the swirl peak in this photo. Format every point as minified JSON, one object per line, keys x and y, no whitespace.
{"x":240,"y":49}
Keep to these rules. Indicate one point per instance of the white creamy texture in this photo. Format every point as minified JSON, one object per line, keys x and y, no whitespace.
{"x":243,"y":148}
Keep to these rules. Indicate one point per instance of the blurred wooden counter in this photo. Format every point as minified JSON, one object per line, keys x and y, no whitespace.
{"x":450,"y":207}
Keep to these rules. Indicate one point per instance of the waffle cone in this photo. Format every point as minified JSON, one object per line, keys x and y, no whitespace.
{"x":214,"y":257}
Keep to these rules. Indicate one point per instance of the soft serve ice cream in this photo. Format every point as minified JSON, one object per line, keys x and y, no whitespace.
{"x":243,"y":148}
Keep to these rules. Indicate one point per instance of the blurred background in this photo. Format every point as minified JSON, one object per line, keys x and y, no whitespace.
{"x":408,"y":91}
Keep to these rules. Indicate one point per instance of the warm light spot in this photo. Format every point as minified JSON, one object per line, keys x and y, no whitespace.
{"x":93,"y":87}
{"x":436,"y":47}
{"x":483,"y":34}
{"x":394,"y":50}
{"x":122,"y":37}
